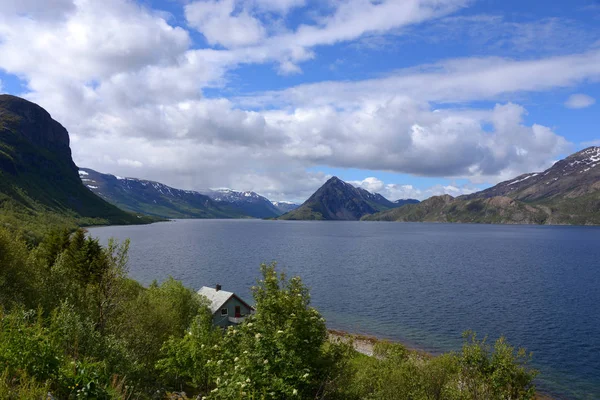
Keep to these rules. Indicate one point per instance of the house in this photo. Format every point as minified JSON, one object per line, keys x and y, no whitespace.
{"x":227,"y":308}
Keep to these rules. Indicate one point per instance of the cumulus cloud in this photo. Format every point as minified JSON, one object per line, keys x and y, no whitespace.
{"x":51,"y":9}
{"x":218,"y":22}
{"x":92,"y":41}
{"x":394,"y":191}
{"x":579,"y":101}
{"x":128,"y":87}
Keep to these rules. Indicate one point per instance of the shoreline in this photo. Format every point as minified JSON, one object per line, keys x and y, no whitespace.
{"x":364,"y":344}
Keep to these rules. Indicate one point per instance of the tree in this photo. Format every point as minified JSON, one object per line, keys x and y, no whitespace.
{"x":495,"y":373}
{"x":279,"y":352}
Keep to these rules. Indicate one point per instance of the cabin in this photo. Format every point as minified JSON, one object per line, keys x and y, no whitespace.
{"x":227,"y":308}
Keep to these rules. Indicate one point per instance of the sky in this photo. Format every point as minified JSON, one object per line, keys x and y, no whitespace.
{"x":408,"y":98}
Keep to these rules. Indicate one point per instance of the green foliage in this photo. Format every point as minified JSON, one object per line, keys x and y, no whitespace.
{"x":26,"y":344}
{"x":280,"y":351}
{"x":185,"y":363}
{"x":478,"y":372}
{"x":18,"y":275}
{"x":495,"y":373}
{"x":20,"y":386}
{"x":74,"y":325}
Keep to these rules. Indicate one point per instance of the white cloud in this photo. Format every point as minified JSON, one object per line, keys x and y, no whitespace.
{"x":128,"y":87}
{"x":218,"y":22}
{"x":235,"y":24}
{"x":579,"y":101}
{"x":91,"y":42}
{"x":279,"y":6}
{"x":590,"y":143}
{"x":50,"y":10}
{"x":450,"y":81}
{"x":394,"y":191}
{"x":129,"y":163}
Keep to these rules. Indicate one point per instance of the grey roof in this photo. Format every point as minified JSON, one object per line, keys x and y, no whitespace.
{"x":217,"y":298}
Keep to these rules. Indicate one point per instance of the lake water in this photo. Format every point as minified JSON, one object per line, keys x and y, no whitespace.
{"x":423,"y":284}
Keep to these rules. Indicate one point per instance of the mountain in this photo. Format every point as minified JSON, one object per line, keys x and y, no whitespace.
{"x":566,"y":193}
{"x":402,"y":202}
{"x":285,"y":206}
{"x":247,"y":203}
{"x":338,"y":200}
{"x":154,"y":198}
{"x":38,"y":175}
{"x":573,"y":177}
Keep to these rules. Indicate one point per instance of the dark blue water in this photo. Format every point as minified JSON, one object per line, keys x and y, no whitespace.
{"x":423,"y":284}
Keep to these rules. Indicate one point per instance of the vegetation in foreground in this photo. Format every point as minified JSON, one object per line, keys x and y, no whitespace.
{"x":74,"y":326}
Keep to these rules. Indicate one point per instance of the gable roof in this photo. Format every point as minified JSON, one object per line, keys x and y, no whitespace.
{"x":218,"y":298}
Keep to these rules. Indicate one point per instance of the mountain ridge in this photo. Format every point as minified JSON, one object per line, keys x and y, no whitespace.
{"x":341,"y":201}
{"x":567,"y":193}
{"x":158,"y":199}
{"x":153,"y":198}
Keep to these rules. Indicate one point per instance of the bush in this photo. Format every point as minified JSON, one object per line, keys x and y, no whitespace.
{"x":279,"y":352}
{"x":74,"y":325}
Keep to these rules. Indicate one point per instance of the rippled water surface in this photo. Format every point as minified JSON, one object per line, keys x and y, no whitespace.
{"x":423,"y":284}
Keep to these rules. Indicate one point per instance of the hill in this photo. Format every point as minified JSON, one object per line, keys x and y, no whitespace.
{"x":566,"y":193}
{"x":38,"y":178}
{"x":338,"y":200}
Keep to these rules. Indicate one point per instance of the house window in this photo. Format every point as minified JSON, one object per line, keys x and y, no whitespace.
{"x":223,"y":311}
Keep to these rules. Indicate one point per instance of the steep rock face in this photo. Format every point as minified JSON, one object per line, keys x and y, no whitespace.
{"x":37,"y":172}
{"x":338,"y":200}
{"x":32,"y":122}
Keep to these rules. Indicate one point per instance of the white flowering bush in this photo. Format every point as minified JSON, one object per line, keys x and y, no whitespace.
{"x":281,"y":351}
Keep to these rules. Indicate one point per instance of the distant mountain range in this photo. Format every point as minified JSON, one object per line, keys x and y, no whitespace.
{"x":247,"y":203}
{"x":566,"y":193}
{"x":38,"y":178}
{"x":285,"y":206}
{"x":339,"y":200}
{"x":157,"y":199}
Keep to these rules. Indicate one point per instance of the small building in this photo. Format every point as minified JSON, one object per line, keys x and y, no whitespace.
{"x":227,"y":308}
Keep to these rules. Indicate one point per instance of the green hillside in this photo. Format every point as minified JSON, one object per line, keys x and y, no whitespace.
{"x":38,"y":179}
{"x":568,"y":193}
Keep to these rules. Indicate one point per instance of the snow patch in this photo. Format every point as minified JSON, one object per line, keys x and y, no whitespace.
{"x":92,"y":187}
{"x":523,"y":179}
{"x":82,"y":173}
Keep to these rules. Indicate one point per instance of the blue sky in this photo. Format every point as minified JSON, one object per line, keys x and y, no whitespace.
{"x":410,"y":98}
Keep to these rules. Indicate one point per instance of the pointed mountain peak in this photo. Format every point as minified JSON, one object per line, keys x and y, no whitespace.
{"x":339,"y":200}
{"x":334,"y":179}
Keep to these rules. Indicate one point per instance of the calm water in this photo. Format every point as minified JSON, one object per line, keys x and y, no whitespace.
{"x":423,"y":284}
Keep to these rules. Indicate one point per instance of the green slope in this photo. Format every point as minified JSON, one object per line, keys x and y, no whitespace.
{"x":38,"y":179}
{"x":566,"y":193}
